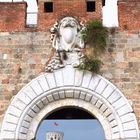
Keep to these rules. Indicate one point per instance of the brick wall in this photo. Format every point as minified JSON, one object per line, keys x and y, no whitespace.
{"x":76,"y":8}
{"x":23,"y":56}
{"x":129,"y":14}
{"x":12,"y":16}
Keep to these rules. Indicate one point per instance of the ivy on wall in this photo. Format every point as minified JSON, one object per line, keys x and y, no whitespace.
{"x":95,"y":36}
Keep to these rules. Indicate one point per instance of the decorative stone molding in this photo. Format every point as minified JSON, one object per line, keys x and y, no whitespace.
{"x":32,"y":11}
{"x":67,"y":42}
{"x":66,"y":34}
{"x":69,"y":87}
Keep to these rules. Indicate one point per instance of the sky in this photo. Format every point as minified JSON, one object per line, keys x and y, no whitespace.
{"x":110,"y":13}
{"x":72,"y":129}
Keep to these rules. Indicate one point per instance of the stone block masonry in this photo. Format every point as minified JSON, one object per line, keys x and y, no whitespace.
{"x":122,"y":65}
{"x":82,"y":89}
{"x":25,"y":51}
{"x":23,"y":56}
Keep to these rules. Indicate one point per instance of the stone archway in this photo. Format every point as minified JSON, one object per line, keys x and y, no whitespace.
{"x":69,"y":87}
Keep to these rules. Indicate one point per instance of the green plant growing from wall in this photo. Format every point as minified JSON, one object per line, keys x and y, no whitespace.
{"x":95,"y":36}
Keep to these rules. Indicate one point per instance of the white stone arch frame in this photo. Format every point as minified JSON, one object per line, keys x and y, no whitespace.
{"x":32,"y":11}
{"x":66,"y":87}
{"x":69,"y":102}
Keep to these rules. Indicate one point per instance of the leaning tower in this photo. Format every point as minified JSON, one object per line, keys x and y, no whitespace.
{"x":53,"y":135}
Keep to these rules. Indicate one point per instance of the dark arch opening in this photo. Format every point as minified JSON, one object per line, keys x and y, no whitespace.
{"x":74,"y":122}
{"x":70,"y":113}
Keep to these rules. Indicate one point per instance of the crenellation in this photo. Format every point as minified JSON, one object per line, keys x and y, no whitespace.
{"x":24,"y":53}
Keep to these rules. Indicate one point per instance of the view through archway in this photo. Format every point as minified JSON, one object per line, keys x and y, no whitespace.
{"x":74,"y":123}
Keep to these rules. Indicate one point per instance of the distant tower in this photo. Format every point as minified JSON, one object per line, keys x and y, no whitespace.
{"x":53,"y":135}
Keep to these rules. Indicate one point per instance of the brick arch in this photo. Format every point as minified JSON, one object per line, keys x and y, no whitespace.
{"x":66,"y":87}
{"x":32,"y":11}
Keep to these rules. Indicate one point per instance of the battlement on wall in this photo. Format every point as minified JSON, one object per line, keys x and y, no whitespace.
{"x":23,"y":56}
{"x":13,"y":16}
{"x":62,"y":8}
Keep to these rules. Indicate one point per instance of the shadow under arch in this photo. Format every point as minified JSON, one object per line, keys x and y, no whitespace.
{"x":70,"y":113}
{"x":72,"y":122}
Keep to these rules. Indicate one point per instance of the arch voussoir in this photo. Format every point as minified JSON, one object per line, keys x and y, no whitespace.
{"x":69,"y":87}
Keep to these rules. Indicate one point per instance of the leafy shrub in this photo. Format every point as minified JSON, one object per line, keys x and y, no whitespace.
{"x":95,"y":36}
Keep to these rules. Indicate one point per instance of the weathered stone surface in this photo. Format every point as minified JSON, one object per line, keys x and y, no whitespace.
{"x":122,"y":65}
{"x":107,"y":109}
